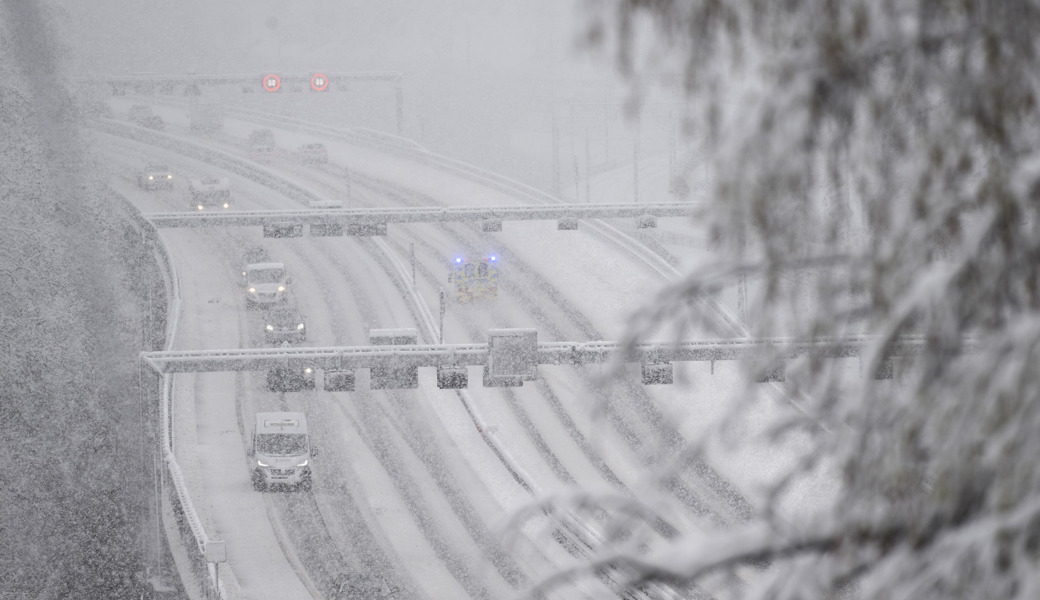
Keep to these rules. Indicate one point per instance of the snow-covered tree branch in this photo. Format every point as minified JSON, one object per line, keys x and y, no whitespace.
{"x":876,"y":171}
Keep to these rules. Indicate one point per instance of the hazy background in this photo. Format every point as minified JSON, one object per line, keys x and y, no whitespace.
{"x":484,"y":80}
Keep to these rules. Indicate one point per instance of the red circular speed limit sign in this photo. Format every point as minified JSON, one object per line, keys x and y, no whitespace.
{"x":319,"y":82}
{"x":272,"y":83}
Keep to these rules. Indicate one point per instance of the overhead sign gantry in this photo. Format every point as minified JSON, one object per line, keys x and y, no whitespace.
{"x":191,"y":84}
{"x":512,"y":356}
{"x":337,"y":221}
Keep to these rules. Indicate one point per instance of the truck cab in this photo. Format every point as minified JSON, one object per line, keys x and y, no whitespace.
{"x":281,"y":451}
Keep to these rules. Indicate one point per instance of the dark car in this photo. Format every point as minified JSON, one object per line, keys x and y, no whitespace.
{"x":284,"y":324}
{"x":210,"y":191}
{"x":155,"y":176}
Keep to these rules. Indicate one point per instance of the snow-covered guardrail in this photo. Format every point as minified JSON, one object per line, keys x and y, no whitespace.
{"x":174,"y":475}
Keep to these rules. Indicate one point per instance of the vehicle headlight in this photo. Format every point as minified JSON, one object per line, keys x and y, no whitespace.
{"x":261,"y":463}
{"x":150,"y":178}
{"x":308,"y":370}
{"x":169,"y":176}
{"x":252,"y":290}
{"x":302,"y":464}
{"x":201,"y":206}
{"x":281,"y":288}
{"x":270,"y":327}
{"x":300,"y":326}
{"x":226,"y":205}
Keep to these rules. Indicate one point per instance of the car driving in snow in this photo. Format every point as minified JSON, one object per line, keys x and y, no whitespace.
{"x":266,"y":284}
{"x":155,"y":176}
{"x":210,"y":191}
{"x":285,"y":324}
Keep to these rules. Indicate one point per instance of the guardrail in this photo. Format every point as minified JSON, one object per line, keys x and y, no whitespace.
{"x":188,"y":522}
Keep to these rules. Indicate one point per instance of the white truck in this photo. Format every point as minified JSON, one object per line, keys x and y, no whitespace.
{"x":282,"y":451}
{"x":210,"y":191}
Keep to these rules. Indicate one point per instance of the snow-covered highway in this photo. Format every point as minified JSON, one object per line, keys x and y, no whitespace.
{"x":410,"y":485}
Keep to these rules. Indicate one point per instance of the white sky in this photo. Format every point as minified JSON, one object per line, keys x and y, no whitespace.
{"x":355,"y":35}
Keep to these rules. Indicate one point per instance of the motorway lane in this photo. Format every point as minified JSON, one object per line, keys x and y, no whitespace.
{"x":374,"y":294}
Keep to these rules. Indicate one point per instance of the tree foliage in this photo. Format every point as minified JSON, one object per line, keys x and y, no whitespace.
{"x":875,"y":171}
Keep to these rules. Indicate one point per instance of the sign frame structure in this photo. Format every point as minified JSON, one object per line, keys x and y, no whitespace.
{"x":512,"y":357}
{"x":267,"y":79}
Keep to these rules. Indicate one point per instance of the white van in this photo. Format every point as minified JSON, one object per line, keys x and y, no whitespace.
{"x":282,"y":450}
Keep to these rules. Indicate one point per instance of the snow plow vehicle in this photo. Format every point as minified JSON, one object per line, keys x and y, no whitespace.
{"x":474,"y":280}
{"x":210,"y":192}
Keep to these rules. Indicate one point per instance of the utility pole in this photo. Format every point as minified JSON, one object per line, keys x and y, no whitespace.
{"x":346,"y":176}
{"x":399,"y":97}
{"x":635,"y":167}
{"x":555,"y":153}
{"x":588,"y":169}
{"x":442,"y":317}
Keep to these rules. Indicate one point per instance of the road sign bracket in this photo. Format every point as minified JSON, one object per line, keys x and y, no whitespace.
{"x":283,"y":230}
{"x":512,"y":357}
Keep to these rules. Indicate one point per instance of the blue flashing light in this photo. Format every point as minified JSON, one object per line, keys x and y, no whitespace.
{"x":458,"y":259}
{"x":493,"y":257}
